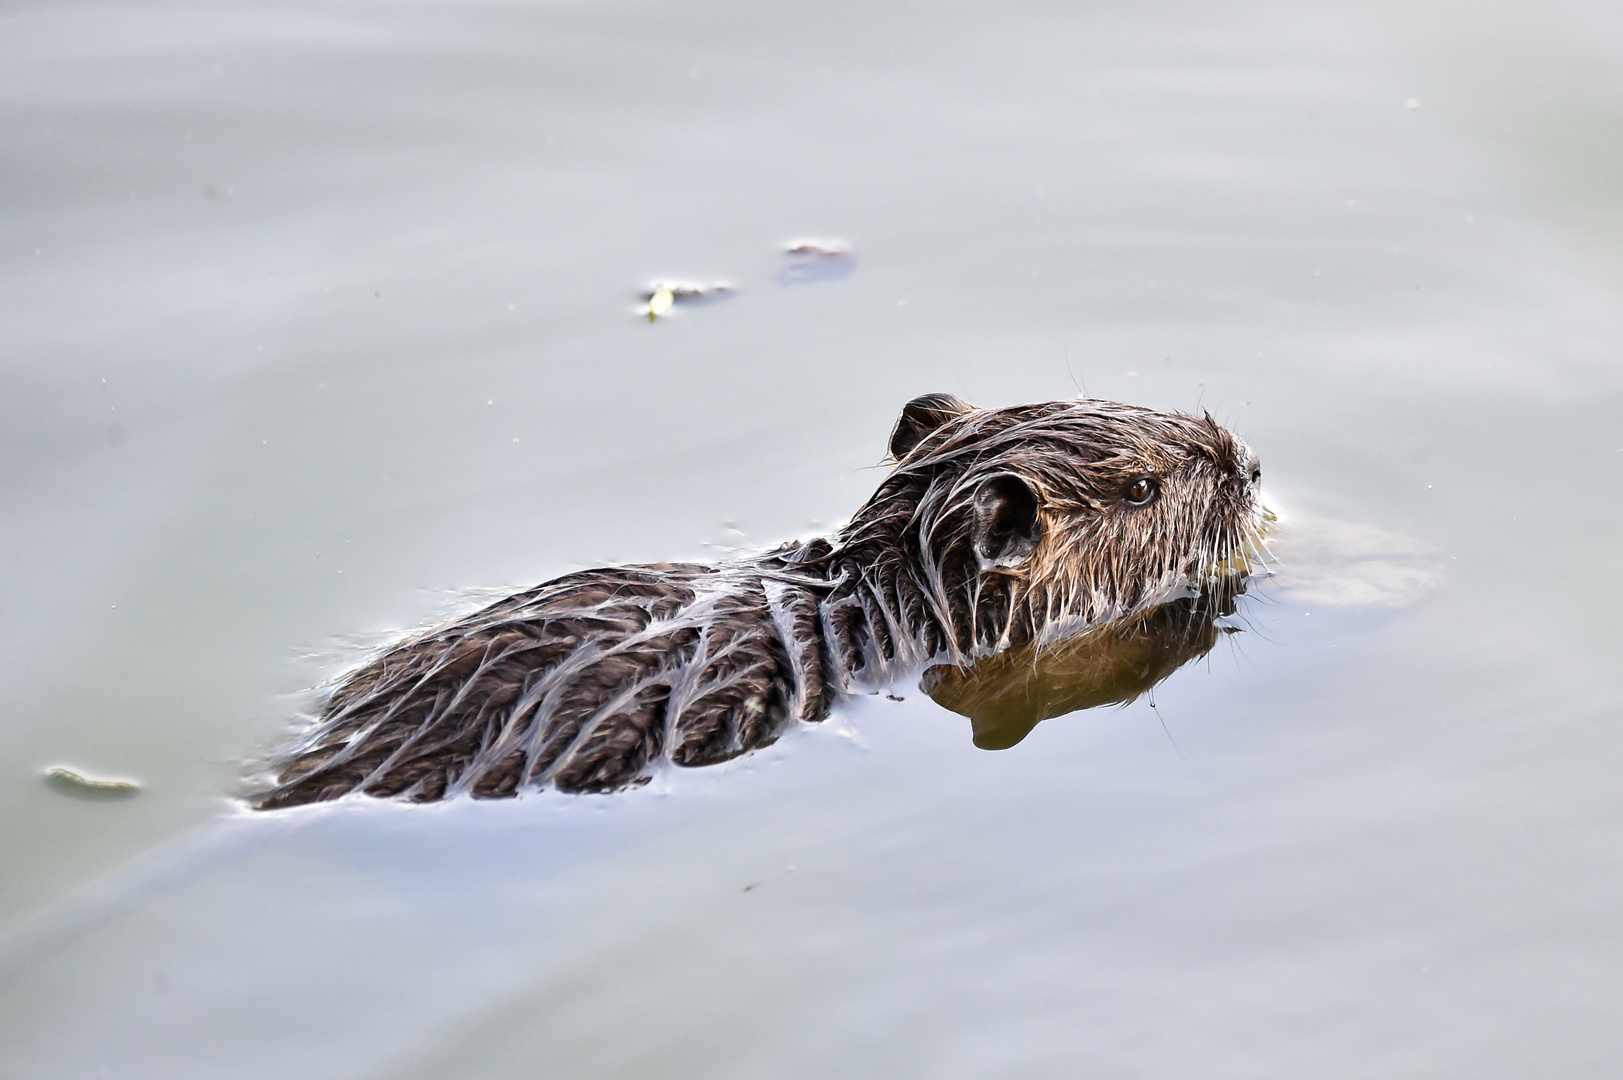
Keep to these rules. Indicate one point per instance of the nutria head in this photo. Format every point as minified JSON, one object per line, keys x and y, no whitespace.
{"x":1030,"y":522}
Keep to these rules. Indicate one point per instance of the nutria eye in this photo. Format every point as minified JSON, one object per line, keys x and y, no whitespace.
{"x":1142,"y":490}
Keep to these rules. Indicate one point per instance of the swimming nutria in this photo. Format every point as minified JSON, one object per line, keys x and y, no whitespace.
{"x":998,"y":527}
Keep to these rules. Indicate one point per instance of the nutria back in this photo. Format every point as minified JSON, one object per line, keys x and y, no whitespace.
{"x":997,"y":528}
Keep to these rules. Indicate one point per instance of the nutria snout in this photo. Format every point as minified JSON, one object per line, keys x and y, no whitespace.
{"x":996,"y":528}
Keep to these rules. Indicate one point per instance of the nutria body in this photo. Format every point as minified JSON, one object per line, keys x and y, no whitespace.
{"x":997,"y":528}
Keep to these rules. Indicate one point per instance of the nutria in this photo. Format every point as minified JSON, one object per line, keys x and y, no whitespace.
{"x":997,"y":528}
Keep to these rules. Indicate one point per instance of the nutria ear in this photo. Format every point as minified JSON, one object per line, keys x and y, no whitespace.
{"x":1007,"y":525}
{"x":921,"y":416}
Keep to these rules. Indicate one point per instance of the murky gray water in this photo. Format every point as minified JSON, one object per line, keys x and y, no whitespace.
{"x":316,"y":315}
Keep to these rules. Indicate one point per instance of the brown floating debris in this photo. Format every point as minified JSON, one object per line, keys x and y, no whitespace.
{"x":830,"y":246}
{"x":79,"y":786}
{"x":816,"y":259}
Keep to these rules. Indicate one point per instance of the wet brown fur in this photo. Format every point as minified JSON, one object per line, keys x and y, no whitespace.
{"x":997,"y":527}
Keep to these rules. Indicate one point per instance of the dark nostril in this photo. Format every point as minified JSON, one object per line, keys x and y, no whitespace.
{"x":1256,"y":475}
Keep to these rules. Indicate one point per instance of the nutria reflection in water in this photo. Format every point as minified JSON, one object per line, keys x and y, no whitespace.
{"x":1006,"y":695}
{"x":998,"y":530}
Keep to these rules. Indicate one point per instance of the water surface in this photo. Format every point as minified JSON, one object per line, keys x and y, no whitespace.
{"x":317,"y":316}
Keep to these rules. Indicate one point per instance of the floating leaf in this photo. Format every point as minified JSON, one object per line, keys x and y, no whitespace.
{"x":659,"y":303}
